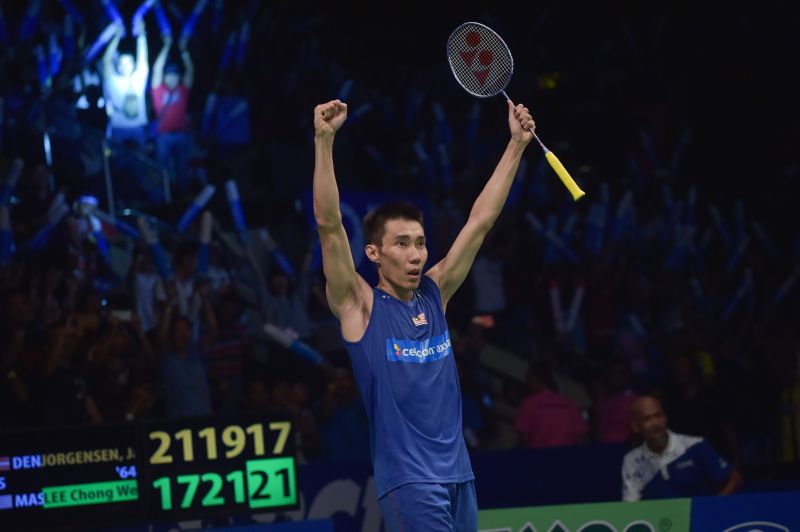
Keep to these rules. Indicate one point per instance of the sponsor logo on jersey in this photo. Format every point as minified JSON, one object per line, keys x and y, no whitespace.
{"x":418,"y":351}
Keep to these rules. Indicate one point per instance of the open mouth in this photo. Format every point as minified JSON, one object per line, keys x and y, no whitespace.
{"x":414,"y":273}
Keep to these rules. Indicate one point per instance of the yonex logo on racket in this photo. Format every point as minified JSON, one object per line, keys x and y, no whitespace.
{"x":480,"y":59}
{"x":485,"y":57}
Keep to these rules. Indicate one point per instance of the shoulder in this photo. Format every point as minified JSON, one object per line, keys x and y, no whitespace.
{"x":687,"y":441}
{"x":632,"y":455}
{"x":633,"y":458}
{"x":429,"y":288}
{"x":428,"y":284}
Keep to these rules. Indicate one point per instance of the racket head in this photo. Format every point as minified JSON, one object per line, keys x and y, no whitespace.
{"x":480,"y":60}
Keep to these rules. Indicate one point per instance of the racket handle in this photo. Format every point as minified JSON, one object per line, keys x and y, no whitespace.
{"x":573,"y":187}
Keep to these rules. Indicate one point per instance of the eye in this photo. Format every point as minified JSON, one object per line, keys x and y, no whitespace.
{"x":401,"y":244}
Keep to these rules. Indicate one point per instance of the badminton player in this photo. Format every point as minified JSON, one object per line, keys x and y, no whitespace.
{"x":397,"y":338}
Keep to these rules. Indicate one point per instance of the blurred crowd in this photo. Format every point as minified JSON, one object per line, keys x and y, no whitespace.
{"x":129,"y":289}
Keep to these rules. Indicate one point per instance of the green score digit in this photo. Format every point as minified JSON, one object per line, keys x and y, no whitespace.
{"x":271,"y":482}
{"x":265,"y":483}
{"x":199,"y":490}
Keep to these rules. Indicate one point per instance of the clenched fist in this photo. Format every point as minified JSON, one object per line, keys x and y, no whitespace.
{"x":329,"y":117}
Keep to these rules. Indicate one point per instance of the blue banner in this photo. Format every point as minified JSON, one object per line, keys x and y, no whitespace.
{"x":764,"y":512}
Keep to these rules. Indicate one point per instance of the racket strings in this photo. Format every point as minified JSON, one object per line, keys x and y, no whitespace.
{"x":480,"y":60}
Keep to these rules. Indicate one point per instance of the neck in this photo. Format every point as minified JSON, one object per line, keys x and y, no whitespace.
{"x":400,"y":293}
{"x":658,"y":445}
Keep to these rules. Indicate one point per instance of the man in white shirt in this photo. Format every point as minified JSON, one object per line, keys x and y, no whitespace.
{"x":669,"y":465}
{"x":125,"y":84}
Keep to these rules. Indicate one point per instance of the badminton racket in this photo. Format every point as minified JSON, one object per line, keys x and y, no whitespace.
{"x":482,"y":64}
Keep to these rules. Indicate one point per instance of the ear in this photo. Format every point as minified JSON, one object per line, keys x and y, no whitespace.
{"x":372,"y":253}
{"x":634,"y":427}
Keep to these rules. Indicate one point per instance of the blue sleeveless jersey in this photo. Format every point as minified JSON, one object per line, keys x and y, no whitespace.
{"x":406,"y":373}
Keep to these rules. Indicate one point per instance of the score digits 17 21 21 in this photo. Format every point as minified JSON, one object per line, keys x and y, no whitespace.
{"x":207,"y":466}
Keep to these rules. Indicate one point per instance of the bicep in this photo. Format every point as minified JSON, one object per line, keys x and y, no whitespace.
{"x":343,"y":284}
{"x":719,"y":468}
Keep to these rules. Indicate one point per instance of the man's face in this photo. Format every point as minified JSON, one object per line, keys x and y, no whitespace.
{"x":125,"y":65}
{"x":402,"y":253}
{"x":171,"y":80}
{"x":650,"y":421}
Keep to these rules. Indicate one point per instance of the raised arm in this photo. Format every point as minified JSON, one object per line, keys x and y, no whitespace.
{"x":349,"y":296}
{"x":161,"y":59}
{"x":142,"y":59}
{"x":108,"y":55}
{"x":165,"y":322}
{"x":451,"y":271}
{"x":188,"y":66}
{"x":212,"y":329}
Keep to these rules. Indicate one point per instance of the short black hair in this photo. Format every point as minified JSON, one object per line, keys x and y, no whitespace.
{"x":375,"y":220}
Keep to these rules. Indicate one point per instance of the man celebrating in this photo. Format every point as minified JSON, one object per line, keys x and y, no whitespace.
{"x":397,"y":337}
{"x":669,"y":465}
{"x":170,"y":93}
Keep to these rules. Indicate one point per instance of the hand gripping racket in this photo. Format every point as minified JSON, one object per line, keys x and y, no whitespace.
{"x":482,"y":64}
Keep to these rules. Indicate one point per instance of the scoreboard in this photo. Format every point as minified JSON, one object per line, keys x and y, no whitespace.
{"x":146,"y":472}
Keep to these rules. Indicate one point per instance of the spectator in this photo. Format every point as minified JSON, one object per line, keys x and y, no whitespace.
{"x":228,"y":356}
{"x":612,"y":409}
{"x":183,"y":359}
{"x":145,"y":282}
{"x":342,"y":420}
{"x":116,"y":361}
{"x":230,"y":133}
{"x":547,"y":418}
{"x":670,"y":465}
{"x":125,"y":83}
{"x":66,"y":398}
{"x":184,"y":282}
{"x":170,"y":92}
{"x":487,"y":278}
{"x":293,"y":398}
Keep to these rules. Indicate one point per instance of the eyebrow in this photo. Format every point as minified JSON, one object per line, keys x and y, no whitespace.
{"x":406,"y":236}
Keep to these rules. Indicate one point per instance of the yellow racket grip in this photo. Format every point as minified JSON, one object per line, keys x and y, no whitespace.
{"x":573,"y":187}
